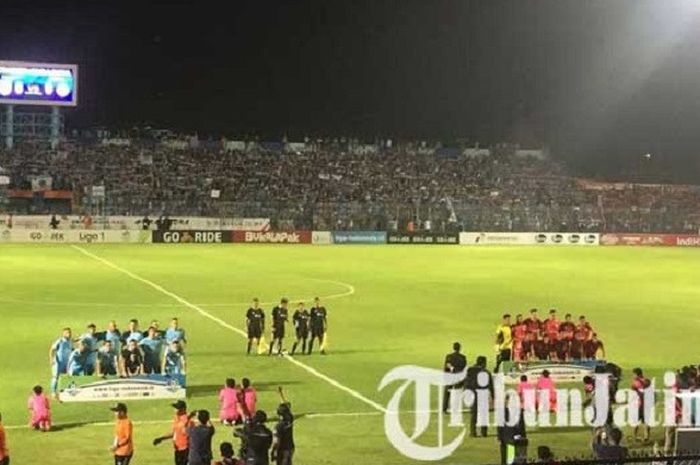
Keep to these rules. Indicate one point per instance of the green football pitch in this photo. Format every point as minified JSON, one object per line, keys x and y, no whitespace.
{"x":388,"y":306}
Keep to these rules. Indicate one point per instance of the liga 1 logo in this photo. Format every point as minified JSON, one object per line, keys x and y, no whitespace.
{"x":436,"y":438}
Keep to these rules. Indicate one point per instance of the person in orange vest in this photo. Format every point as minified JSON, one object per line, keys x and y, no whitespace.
{"x":181,"y":441}
{"x":123,"y":445}
{"x":4,"y":453}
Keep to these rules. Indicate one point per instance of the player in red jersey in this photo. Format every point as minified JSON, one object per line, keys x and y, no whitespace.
{"x":585,"y":327}
{"x":519,"y":333}
{"x":551,"y":330}
{"x":592,"y":347}
{"x":534,"y":328}
{"x":566,"y":336}
{"x":582,"y":333}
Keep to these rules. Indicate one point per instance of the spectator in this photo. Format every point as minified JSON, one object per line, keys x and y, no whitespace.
{"x":200,"y":437}
{"x":608,"y":447}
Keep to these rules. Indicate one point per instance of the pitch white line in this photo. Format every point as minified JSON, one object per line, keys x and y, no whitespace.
{"x":222,"y":323}
{"x":350,"y":290}
{"x":302,"y":416}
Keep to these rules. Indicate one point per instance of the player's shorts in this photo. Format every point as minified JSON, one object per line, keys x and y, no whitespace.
{"x":58,"y":369}
{"x":317,"y":332}
{"x":76,"y":370}
{"x":302,"y":333}
{"x":527,"y":348}
{"x":254,"y":332}
{"x":576,"y":350}
{"x":278,"y":332}
{"x":122,"y":459}
{"x":562,"y":349}
{"x":171,"y":370}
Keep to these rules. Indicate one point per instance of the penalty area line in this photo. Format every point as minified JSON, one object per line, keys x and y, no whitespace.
{"x":230,"y":327}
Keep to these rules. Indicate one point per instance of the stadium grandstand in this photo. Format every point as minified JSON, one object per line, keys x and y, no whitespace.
{"x":337,"y":184}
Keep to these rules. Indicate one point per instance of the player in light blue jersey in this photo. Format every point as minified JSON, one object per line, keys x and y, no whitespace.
{"x":79,"y":360}
{"x":59,"y":355}
{"x":174,"y":360}
{"x":111,"y":335}
{"x":175,"y":333}
{"x":152,"y":347}
{"x":89,"y":338}
{"x":132,"y":333}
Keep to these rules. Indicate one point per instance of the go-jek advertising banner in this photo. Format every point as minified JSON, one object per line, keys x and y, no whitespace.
{"x":96,"y":389}
{"x":74,"y":236}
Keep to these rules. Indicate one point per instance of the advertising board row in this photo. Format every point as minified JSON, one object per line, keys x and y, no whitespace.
{"x":66,"y":222}
{"x":75,"y":236}
{"x":144,"y":387}
{"x":529,"y":238}
{"x":215,"y":236}
{"x":669,"y":240}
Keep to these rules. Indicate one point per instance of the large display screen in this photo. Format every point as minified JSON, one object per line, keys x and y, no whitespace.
{"x":24,"y":83}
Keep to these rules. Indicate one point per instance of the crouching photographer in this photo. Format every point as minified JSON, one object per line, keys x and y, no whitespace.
{"x":256,"y":439}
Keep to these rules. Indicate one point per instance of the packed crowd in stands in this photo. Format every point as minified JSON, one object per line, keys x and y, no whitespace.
{"x":335,"y":185}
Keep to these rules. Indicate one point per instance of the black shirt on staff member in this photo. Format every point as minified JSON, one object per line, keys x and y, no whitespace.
{"x":455,"y":362}
{"x":200,"y":440}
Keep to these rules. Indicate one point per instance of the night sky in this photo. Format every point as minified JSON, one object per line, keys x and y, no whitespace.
{"x":600,"y":82}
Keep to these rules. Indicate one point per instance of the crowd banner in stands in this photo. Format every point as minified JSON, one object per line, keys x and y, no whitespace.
{"x":74,"y":236}
{"x":133,"y":222}
{"x":191,"y":237}
{"x":669,"y":240}
{"x":529,"y":238}
{"x":272,"y":237}
{"x":145,"y":387}
{"x":321,"y":238}
{"x":422,"y":238}
{"x":562,"y":372}
{"x":359,"y":237}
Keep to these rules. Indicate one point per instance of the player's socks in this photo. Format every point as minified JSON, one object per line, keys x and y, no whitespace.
{"x":249,"y":346}
{"x":303,"y":346}
{"x":294,"y":348}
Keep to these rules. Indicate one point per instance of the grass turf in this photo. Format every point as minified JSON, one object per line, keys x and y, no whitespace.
{"x":409,"y":305}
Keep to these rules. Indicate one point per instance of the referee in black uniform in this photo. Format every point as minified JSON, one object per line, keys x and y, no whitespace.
{"x":455,"y":362}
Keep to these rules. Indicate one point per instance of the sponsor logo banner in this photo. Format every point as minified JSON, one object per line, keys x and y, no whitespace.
{"x":321,"y":238}
{"x":95,"y":388}
{"x":74,"y":236}
{"x":273,"y":237}
{"x":191,"y":237}
{"x":671,"y":240}
{"x":564,"y":372}
{"x":422,"y":238}
{"x":359,"y":237}
{"x":135,"y":222}
{"x":529,"y":238}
